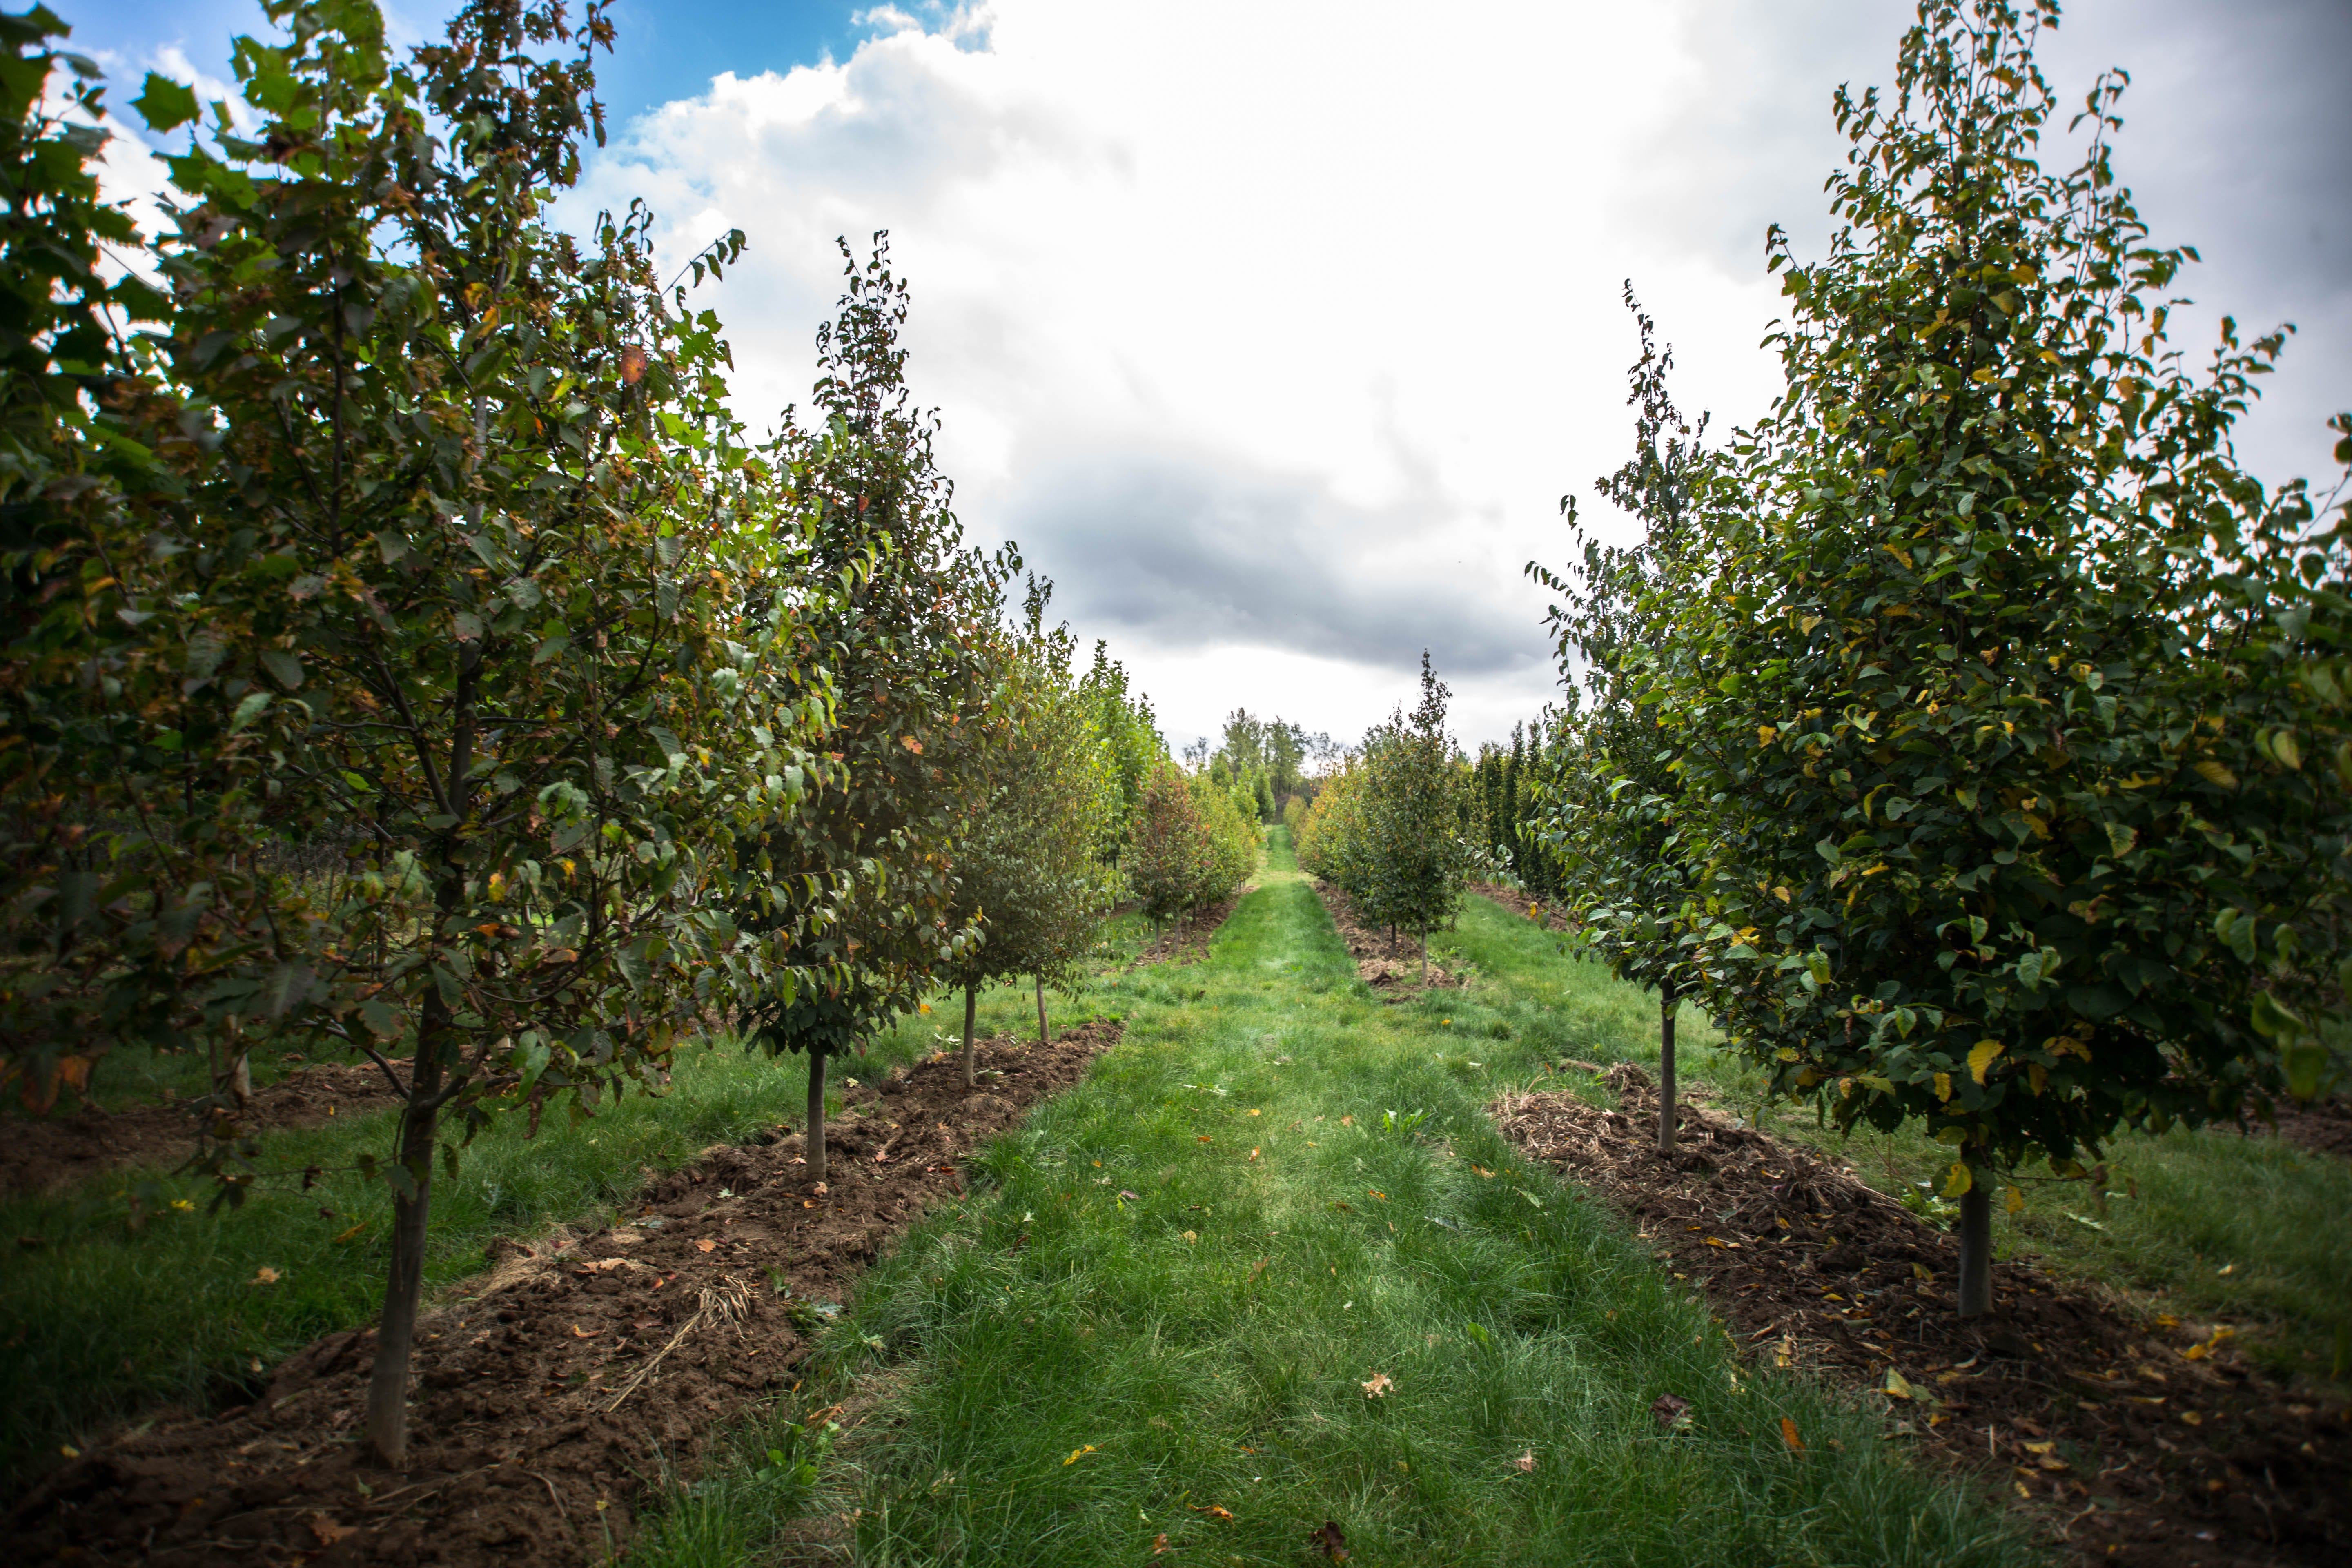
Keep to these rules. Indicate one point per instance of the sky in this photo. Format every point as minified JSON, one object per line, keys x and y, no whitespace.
{"x":1275,"y":332}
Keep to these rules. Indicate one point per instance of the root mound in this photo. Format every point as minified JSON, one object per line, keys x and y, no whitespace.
{"x":549,"y":1396}
{"x":2143,"y":1443}
{"x":40,"y":1154}
{"x":1388,"y":963}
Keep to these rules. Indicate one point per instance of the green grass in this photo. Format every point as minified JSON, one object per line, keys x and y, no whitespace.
{"x":2181,"y":1208}
{"x":1134,"y":1321}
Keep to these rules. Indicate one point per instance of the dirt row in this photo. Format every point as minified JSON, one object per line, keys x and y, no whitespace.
{"x":1191,"y":943}
{"x":1388,"y":960}
{"x":550,"y":1391}
{"x":1519,"y":903}
{"x":42,"y":1154}
{"x":2140,"y":1441}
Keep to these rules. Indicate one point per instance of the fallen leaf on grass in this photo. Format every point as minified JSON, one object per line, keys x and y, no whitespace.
{"x":1347,"y":1122}
{"x":1329,"y":1541}
{"x":1526,"y":1463}
{"x":1377,"y":1386}
{"x":1192,"y":1235}
{"x":1076,"y":1454}
{"x":265,"y":1275}
{"x":1789,"y":1438}
{"x":1160,"y":1543}
{"x":346,"y":1235}
{"x":1382,"y":1196}
{"x":1670,"y":1409}
{"x":1212,"y":1510}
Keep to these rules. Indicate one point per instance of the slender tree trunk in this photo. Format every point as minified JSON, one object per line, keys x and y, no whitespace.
{"x":1975,"y":1251}
{"x":1045,"y":1034}
{"x":1425,"y":958}
{"x":971,"y":1008}
{"x":387,"y":1395}
{"x":814,"y":1139}
{"x":1667,"y":1004}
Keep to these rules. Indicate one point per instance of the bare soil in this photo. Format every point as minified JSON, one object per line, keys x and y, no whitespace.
{"x":41,"y":1154}
{"x":551,"y":1394}
{"x":2324,"y":1129}
{"x":1192,"y":944}
{"x":1390,"y":962}
{"x":2135,"y":1441}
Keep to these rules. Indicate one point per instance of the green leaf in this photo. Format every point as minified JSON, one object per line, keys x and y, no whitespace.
{"x":165,"y":104}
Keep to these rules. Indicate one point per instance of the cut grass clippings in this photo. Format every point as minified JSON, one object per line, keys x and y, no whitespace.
{"x":1271,"y":1267}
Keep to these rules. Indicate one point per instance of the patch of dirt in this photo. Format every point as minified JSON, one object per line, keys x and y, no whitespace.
{"x":1388,"y":962}
{"x":1191,"y":943}
{"x":41,"y":1154}
{"x":1519,"y":903}
{"x":2147,"y":1443}
{"x":549,"y":1396}
{"x":2324,"y":1129}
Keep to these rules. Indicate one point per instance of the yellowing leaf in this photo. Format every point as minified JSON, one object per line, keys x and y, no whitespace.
{"x":265,"y":1275}
{"x":1896,"y":1387}
{"x":2012,"y":1201}
{"x":1789,"y":1438}
{"x":2214,"y":772}
{"x":1943,"y":1086}
{"x":1957,"y":1180}
{"x":1981,"y":1056}
{"x":1076,"y":1453}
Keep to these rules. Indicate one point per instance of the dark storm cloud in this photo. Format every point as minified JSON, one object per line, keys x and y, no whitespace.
{"x":1192,"y":552}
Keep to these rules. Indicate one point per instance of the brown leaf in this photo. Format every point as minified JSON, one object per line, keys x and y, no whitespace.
{"x":821,"y":1190}
{"x":1212,"y":1510}
{"x":706,"y":1244}
{"x":580,"y":1334}
{"x":1329,"y":1541}
{"x":1670,"y":1408}
{"x":1160,"y":1543}
{"x":1526,"y":1463}
{"x":1794,"y":1444}
{"x":323,"y":1526}
{"x":1377,"y":1385}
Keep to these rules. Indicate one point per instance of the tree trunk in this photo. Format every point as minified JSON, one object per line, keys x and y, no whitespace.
{"x":814,"y":1139}
{"x":1425,"y":958}
{"x":240,"y":1079}
{"x":1045,"y":1034}
{"x":971,"y":1007}
{"x":1975,"y":1251}
{"x":387,"y":1395}
{"x":1667,"y":1002}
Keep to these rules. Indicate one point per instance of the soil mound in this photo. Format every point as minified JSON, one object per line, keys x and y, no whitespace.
{"x":2139,"y":1442}
{"x":1388,"y":962}
{"x":40,"y":1154}
{"x":552,"y":1391}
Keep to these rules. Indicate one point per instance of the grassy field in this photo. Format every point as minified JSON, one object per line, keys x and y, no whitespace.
{"x":1270,"y":1265}
{"x":2209,"y":1225}
{"x":100,"y":1323}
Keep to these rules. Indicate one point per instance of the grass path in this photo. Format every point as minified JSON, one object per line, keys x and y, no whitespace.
{"x":1166,"y":1311}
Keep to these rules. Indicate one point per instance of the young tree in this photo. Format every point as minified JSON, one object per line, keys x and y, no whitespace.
{"x":907,"y":648}
{"x":1416,"y":854}
{"x":1614,"y":818}
{"x":449,"y":583}
{"x":1026,"y":868}
{"x":1131,"y":734}
{"x":1997,"y":693}
{"x":1167,"y":846}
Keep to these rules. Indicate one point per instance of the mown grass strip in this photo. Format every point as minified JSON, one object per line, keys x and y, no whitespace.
{"x":2209,"y":1223}
{"x":1164,"y":1318}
